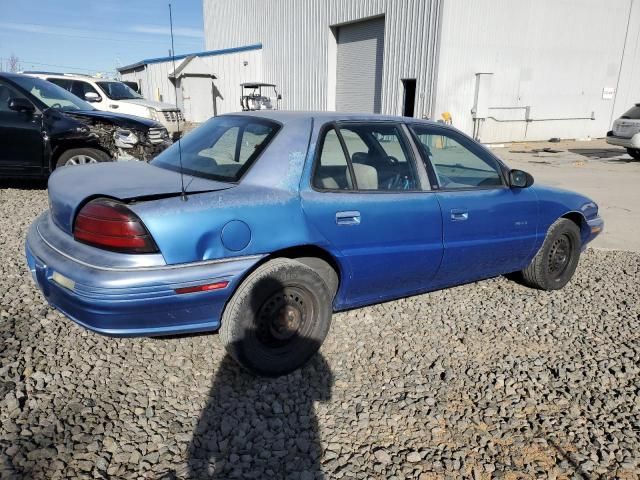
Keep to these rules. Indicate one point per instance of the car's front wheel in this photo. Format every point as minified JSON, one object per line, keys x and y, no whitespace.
{"x":82,"y":156}
{"x":278,"y":317}
{"x":634,"y":152}
{"x":556,"y":261}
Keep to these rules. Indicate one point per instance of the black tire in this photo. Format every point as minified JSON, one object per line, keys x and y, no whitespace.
{"x":323,"y":269}
{"x":96,"y":156}
{"x":634,"y":152}
{"x":277,"y":318}
{"x":556,"y":261}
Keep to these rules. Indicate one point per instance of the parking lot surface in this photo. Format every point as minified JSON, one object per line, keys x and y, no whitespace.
{"x":594,"y":168}
{"x":486,"y":380}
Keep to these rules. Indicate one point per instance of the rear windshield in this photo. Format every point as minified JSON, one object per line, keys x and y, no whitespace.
{"x":221,"y":149}
{"x":633,"y":113}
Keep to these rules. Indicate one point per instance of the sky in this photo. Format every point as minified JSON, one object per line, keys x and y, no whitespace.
{"x":95,"y":36}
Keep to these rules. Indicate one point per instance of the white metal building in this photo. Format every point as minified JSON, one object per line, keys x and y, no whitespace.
{"x":207,"y":83}
{"x":505,"y":69}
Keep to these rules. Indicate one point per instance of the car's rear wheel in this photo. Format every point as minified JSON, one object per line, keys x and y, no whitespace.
{"x":556,"y":261}
{"x":278,"y":318}
{"x":634,"y":152}
{"x":82,"y":156}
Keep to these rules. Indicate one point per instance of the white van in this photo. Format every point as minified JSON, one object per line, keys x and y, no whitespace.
{"x":115,"y":96}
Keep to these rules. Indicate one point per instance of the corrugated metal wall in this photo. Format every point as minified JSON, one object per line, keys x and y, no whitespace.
{"x":296,"y":37}
{"x":555,"y":56}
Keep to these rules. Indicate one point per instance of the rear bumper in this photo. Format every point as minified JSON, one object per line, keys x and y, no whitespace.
{"x":633,"y":142}
{"x":136,"y":301}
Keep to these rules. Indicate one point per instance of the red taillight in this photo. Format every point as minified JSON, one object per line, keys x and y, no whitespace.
{"x":110,"y":225}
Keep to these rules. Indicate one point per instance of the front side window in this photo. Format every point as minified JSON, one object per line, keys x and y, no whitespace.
{"x":51,"y":95}
{"x":455,"y":166}
{"x":6,"y":94}
{"x":221,"y":149}
{"x":375,"y":157}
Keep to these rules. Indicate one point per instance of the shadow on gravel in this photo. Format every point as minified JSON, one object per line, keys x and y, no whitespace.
{"x":24,"y":184}
{"x":255,"y":427}
{"x":260,"y":428}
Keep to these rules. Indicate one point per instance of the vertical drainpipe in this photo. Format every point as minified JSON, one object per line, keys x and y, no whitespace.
{"x":624,"y":47}
{"x":439,"y":6}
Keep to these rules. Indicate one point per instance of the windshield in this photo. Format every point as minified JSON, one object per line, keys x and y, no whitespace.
{"x":118,"y":91}
{"x":51,"y":95}
{"x":221,"y":149}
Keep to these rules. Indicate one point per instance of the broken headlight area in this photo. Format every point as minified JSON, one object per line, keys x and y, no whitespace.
{"x":146,"y":146}
{"x":125,"y":138}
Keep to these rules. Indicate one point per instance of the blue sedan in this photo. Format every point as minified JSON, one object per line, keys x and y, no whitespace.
{"x":262,"y":224}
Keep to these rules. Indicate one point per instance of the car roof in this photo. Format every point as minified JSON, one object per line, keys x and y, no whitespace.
{"x":286,"y":116}
{"x":10,"y":75}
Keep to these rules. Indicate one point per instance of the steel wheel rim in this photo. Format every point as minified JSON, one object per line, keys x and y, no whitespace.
{"x":283,"y":316}
{"x":80,"y":160}
{"x":560,"y":255}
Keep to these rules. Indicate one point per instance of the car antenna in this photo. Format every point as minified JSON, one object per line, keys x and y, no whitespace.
{"x":183,"y":193}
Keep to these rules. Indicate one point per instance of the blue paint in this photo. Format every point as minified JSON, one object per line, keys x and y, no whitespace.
{"x":236,"y":235}
{"x":388,"y":245}
{"x":207,"y":53}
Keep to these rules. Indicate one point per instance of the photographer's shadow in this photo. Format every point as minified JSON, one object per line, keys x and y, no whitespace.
{"x":256,"y":427}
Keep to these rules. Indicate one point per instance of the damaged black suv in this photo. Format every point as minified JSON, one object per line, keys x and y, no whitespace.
{"x":42,"y":127}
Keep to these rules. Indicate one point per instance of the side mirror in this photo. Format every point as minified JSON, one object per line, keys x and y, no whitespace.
{"x":520,"y":179}
{"x":21,"y":105}
{"x":92,"y":97}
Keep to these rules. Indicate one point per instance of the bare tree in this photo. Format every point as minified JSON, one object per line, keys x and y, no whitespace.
{"x":13,"y":64}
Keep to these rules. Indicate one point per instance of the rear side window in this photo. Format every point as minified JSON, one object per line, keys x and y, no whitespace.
{"x":375,"y":157}
{"x":633,"y":113}
{"x":455,"y":166}
{"x":80,"y":89}
{"x":221,"y":149}
{"x":66,"y":84}
{"x":332,"y":170}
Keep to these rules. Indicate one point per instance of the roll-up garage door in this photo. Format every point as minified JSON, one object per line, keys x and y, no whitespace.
{"x":359,"y":66}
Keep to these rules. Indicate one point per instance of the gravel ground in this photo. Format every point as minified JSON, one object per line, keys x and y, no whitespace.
{"x":488,"y":380}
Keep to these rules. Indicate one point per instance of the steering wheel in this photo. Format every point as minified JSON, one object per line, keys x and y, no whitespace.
{"x":56,"y":105}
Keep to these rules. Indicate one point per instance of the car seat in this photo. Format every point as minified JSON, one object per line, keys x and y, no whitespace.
{"x":366,"y":176}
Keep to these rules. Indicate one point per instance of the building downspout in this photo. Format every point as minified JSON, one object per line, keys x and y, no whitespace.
{"x":624,"y":48}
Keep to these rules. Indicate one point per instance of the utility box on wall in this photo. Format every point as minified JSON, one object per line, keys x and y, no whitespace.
{"x":482,"y":95}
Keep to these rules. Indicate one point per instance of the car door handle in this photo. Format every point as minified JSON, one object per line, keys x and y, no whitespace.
{"x":114,"y":106}
{"x":348,"y":218}
{"x":458,"y":215}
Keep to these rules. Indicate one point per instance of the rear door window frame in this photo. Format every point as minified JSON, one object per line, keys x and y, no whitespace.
{"x":409,"y":149}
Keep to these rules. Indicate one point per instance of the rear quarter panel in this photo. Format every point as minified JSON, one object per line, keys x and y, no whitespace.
{"x":266,"y":200}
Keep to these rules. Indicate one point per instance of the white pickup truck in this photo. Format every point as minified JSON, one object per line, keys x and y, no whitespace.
{"x":626,"y":131}
{"x":114,"y":96}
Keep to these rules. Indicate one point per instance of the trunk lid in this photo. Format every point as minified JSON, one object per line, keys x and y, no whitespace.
{"x":70,"y":187}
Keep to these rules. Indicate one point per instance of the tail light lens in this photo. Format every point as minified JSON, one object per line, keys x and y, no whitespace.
{"x":110,"y":225}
